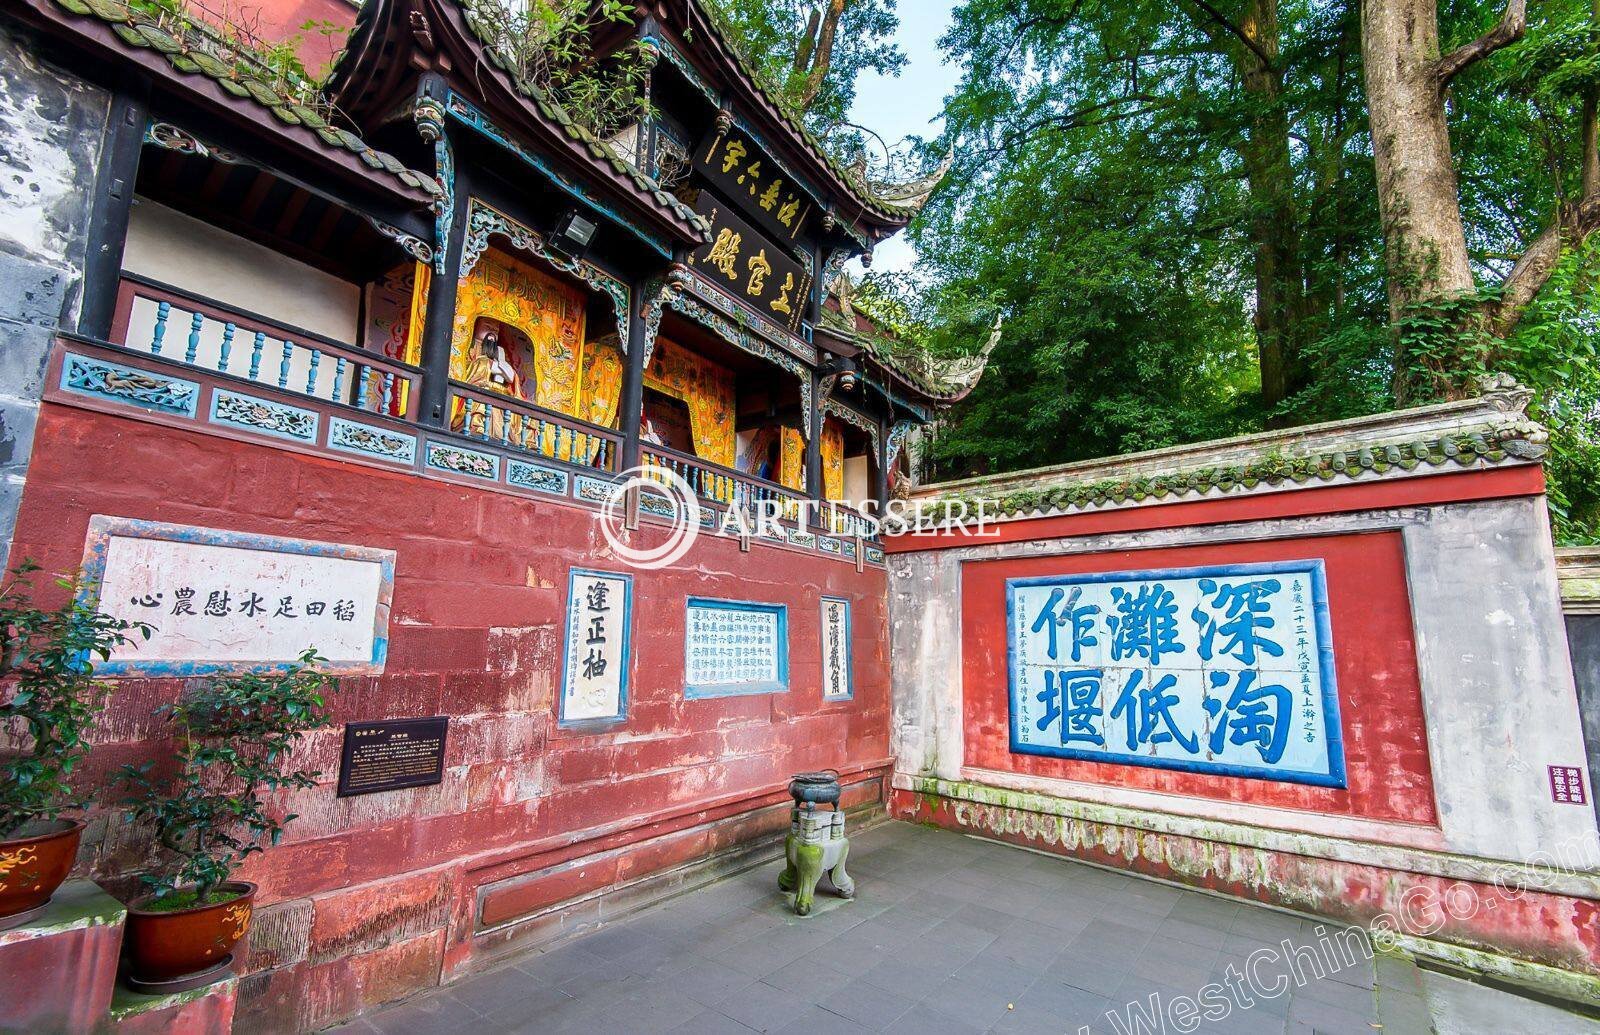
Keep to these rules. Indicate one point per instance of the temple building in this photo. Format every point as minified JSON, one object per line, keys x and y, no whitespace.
{"x":423,"y":310}
{"x":414,"y":367}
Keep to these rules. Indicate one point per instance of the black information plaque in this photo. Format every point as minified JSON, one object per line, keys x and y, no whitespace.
{"x":391,"y":754}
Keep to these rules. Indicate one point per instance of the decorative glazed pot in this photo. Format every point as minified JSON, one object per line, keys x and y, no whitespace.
{"x":165,"y":945}
{"x":33,"y":864}
{"x":815,"y":788}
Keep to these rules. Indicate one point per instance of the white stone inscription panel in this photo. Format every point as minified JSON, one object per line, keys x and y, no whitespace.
{"x":599,"y":610}
{"x":224,"y":601}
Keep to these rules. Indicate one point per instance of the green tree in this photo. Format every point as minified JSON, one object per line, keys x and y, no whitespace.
{"x":810,"y":52}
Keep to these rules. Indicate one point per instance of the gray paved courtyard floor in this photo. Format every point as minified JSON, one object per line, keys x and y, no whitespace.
{"x":949,"y":934}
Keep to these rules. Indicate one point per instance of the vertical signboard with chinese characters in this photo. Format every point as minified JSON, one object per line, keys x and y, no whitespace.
{"x":221,"y":601}
{"x":599,"y":628}
{"x":836,"y":684}
{"x":1225,"y":670}
{"x":733,"y":647}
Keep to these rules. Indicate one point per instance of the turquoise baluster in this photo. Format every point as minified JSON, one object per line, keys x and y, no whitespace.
{"x":311,"y":378}
{"x":283,"y":368}
{"x":388,"y":392}
{"x":505,"y":429}
{"x":227,"y":346}
{"x":338,"y":378}
{"x":255,"y":356}
{"x":194,"y":337}
{"x":163,"y":310}
{"x":362,"y":376}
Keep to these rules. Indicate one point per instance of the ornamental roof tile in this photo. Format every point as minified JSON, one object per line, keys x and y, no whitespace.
{"x":898,"y":202}
{"x":600,"y":149}
{"x":188,"y":54}
{"x":1487,"y":431}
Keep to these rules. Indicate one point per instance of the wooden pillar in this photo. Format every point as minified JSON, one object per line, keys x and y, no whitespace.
{"x":438,"y":327}
{"x":630,"y":403}
{"x":881,"y":489}
{"x":108,"y":214}
{"x":814,"y":486}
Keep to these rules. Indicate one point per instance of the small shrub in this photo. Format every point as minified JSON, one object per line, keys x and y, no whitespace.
{"x":232,"y":738}
{"x":47,"y":666}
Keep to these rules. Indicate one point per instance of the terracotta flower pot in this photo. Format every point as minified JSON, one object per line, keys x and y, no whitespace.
{"x":34,"y":863}
{"x":167,"y":944}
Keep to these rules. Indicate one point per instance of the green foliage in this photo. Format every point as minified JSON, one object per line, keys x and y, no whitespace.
{"x":550,"y":47}
{"x":1103,"y":202}
{"x":1554,"y":352}
{"x":48,"y":694}
{"x":233,"y":741}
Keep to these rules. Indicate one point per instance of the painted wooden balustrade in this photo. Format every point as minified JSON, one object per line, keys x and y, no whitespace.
{"x":511,"y":424}
{"x":725,"y":486}
{"x":843,"y":519}
{"x":163,"y":322}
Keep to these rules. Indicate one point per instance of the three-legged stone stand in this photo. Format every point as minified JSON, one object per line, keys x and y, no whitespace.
{"x":816,"y":844}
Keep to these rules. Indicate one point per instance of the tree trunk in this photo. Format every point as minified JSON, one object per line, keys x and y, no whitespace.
{"x":1275,"y":222}
{"x":1425,"y":248}
{"x":822,"y":57}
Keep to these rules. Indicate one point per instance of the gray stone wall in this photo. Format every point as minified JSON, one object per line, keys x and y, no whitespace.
{"x":1497,"y":690}
{"x":52,"y":126}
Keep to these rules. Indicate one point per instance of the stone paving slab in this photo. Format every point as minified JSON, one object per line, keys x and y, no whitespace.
{"x":952,"y":934}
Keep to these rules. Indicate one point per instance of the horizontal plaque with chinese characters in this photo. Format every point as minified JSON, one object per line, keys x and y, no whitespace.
{"x":599,"y":613}
{"x":739,"y":170}
{"x":733,"y":647}
{"x":1225,"y":670}
{"x":391,"y":755}
{"x":223,"y":601}
{"x":750,"y":267}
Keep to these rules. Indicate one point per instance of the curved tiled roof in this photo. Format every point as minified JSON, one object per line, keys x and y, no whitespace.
{"x":897,"y":203}
{"x":552,"y":111}
{"x":196,"y":53}
{"x":1487,"y":431}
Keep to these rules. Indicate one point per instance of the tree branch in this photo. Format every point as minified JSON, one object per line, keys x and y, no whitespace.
{"x":1244,"y":37}
{"x":1513,"y":23}
{"x":1531,"y":271}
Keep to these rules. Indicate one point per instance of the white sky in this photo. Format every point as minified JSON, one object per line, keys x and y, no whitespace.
{"x":910,"y":104}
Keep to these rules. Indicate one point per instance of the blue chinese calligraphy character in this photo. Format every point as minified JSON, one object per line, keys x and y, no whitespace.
{"x":1254,"y":714}
{"x":1244,"y":609}
{"x":1079,"y":618}
{"x":1145,"y":625}
{"x":1148,"y":708}
{"x":1080,"y":712}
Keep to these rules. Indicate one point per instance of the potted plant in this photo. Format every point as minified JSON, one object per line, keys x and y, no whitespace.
{"x":48,"y":700}
{"x":210,"y":811}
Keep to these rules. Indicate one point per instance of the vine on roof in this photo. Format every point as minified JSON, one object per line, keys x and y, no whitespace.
{"x":548,"y":46}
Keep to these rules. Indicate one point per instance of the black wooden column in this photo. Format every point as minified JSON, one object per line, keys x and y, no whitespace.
{"x":438,"y":327}
{"x":813,"y":419}
{"x":630,"y":403}
{"x":108,"y":214}
{"x":881,"y":489}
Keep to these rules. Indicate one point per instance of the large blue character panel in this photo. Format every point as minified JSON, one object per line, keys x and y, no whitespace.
{"x":1220,"y":669}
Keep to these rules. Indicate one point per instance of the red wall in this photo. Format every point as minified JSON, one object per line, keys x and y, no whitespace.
{"x":274,"y":21}
{"x":369,"y":896}
{"x":1380,"y":699}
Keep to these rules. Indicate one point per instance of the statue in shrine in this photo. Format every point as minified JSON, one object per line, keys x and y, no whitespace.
{"x":489,"y":367}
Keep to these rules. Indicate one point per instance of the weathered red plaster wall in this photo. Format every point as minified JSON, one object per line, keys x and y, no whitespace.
{"x":369,"y":897}
{"x":276,"y":21}
{"x":1380,"y":697}
{"x":1556,"y":930}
